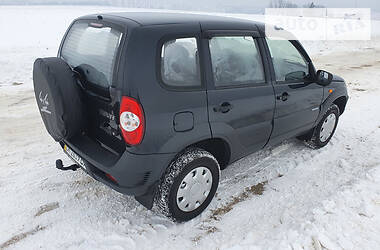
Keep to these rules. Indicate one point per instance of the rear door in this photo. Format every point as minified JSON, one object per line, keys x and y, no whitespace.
{"x":240,"y":96}
{"x":92,"y":48}
{"x":298,"y":96}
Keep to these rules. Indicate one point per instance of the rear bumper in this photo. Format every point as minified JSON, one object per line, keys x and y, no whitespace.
{"x":136,"y":174}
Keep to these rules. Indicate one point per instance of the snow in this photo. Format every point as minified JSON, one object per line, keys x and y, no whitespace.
{"x":288,"y":196}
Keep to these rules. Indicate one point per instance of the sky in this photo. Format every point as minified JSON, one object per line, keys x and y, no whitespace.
{"x":211,"y":5}
{"x":345,"y":3}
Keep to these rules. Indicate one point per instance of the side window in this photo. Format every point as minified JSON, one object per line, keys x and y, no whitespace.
{"x":235,"y":61}
{"x":180,"y":63}
{"x":289,"y":65}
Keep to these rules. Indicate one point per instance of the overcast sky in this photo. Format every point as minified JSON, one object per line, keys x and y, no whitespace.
{"x":211,"y":5}
{"x":345,"y":3}
{"x":375,"y":4}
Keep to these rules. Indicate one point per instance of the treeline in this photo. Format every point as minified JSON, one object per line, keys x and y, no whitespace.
{"x":289,"y":4}
{"x":236,"y":6}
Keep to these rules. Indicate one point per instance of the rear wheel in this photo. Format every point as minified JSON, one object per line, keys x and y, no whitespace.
{"x":325,"y":129}
{"x":188,"y":185}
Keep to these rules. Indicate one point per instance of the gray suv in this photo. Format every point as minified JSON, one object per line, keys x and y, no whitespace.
{"x":154,"y":105}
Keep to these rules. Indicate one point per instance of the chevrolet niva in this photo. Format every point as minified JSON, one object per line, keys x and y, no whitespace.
{"x":154,"y":105}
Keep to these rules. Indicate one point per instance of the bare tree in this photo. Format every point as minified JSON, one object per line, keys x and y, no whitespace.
{"x":313,"y":5}
{"x":282,"y":4}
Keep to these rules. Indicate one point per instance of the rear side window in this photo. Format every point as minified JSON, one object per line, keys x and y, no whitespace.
{"x":236,"y":60}
{"x":180,"y":63}
{"x":91,"y":49}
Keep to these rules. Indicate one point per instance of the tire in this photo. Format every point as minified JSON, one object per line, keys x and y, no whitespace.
{"x":167,"y":200}
{"x":59,"y":98}
{"x":320,"y":139}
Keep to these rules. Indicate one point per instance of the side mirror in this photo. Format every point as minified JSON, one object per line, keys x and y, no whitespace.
{"x":324,"y":78}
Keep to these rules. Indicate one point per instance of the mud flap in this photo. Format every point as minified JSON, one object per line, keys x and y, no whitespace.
{"x":147,"y":199}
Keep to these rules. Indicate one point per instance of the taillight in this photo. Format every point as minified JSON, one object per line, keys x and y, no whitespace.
{"x":132,"y":123}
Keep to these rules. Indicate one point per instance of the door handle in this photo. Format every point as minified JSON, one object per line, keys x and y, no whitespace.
{"x":223,"y":108}
{"x":283,"y":97}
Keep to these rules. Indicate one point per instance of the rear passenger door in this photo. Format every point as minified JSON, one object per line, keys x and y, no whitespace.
{"x":240,"y":98}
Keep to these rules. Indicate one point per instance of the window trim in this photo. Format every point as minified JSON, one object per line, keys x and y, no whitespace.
{"x":208,"y":34}
{"x":95,"y":88}
{"x":238,"y":33}
{"x":167,"y":38}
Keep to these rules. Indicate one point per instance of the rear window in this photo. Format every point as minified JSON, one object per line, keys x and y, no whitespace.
{"x":91,"y":49}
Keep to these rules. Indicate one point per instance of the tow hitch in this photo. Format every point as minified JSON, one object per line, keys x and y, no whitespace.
{"x":59,"y":165}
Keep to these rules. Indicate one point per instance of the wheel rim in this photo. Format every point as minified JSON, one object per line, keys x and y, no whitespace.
{"x":194,"y":189}
{"x":327,"y":128}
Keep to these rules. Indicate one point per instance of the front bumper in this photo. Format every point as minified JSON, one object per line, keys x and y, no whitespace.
{"x":135,"y":174}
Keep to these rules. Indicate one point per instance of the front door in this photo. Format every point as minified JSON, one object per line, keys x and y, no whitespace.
{"x":240,"y":96}
{"x":298,"y":96}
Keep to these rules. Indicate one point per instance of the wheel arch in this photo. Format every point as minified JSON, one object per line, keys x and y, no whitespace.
{"x":341,"y":103}
{"x":218,"y":147}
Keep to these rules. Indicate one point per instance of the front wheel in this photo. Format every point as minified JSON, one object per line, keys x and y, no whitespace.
{"x":188,"y":185}
{"x":326,"y":128}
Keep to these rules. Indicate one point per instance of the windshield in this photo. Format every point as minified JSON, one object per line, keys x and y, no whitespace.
{"x":91,"y":50}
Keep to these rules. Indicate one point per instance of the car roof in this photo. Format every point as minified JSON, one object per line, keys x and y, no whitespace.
{"x":159,"y":18}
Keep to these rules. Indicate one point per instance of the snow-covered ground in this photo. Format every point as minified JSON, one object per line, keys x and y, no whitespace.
{"x":285,"y":197}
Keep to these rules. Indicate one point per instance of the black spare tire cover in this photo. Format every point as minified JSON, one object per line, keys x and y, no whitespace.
{"x":59,"y":97}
